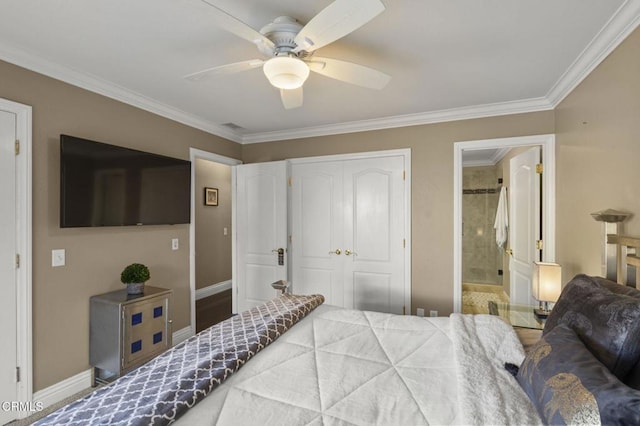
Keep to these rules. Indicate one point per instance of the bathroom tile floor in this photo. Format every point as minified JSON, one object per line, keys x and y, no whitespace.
{"x":476,"y":297}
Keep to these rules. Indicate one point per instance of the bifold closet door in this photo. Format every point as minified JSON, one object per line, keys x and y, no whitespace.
{"x":348,"y":232}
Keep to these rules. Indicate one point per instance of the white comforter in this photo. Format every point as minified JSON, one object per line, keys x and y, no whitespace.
{"x":341,"y":366}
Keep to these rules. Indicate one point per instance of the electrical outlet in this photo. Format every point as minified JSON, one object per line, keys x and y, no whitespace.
{"x":175,"y":244}
{"x":433,"y":313}
{"x":420,"y":312}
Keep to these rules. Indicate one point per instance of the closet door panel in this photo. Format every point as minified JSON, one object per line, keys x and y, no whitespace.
{"x":316,"y":203}
{"x":374,"y":234}
{"x":372,"y":291}
{"x":372,"y":215}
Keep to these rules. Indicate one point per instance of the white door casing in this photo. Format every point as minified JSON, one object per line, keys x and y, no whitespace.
{"x":524,"y":223}
{"x":260,"y":229}
{"x":349,"y":232}
{"x":8,"y":250}
{"x":15,"y":252}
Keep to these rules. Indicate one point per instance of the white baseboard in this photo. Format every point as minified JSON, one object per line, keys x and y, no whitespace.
{"x":201,"y":293}
{"x":64,"y":389}
{"x":182,"y":335}
{"x":81,"y":381}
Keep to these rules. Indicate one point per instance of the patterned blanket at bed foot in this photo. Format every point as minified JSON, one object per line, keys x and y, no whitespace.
{"x":160,"y":391}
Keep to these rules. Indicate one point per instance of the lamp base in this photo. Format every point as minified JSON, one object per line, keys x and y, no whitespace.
{"x":541,"y":313}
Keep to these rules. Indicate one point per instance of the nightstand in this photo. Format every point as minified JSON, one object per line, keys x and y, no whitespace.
{"x":127,"y":330}
{"x":526,"y":324}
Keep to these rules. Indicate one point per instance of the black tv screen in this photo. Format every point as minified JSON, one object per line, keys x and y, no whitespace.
{"x":107,"y":185}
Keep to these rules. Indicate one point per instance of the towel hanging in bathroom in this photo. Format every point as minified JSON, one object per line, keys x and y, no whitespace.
{"x":502,"y":219}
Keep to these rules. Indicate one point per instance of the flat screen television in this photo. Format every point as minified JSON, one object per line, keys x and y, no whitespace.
{"x":107,"y":185}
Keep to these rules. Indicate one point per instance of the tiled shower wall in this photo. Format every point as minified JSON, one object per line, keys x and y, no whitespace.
{"x":481,"y":258}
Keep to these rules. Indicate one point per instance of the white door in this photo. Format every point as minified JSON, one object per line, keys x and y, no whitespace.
{"x":374,"y":235}
{"x":317,"y":216}
{"x":524,"y":223}
{"x":261,"y":230}
{"x":8,"y":277}
{"x":348,"y":232}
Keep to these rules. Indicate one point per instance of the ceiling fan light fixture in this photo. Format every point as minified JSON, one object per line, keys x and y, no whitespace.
{"x":286,"y":72}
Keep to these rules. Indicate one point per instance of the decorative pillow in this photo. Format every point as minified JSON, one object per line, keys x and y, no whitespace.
{"x":568,"y":385}
{"x":607,"y":322}
{"x":614,"y":287}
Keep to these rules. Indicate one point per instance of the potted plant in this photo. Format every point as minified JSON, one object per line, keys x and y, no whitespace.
{"x":134,"y":276}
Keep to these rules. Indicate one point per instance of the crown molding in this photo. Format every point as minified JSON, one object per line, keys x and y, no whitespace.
{"x":619,"y":26}
{"x":111,"y":90}
{"x":615,"y":31}
{"x":453,"y":114}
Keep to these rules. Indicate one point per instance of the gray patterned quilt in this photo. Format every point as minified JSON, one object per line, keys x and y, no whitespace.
{"x":160,"y":391}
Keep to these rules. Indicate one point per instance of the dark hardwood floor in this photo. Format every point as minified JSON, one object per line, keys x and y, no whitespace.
{"x":213,"y":309}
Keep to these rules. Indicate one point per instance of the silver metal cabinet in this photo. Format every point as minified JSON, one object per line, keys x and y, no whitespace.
{"x":127,"y":331}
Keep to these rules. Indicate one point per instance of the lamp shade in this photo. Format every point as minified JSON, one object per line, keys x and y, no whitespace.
{"x":547,"y":281}
{"x":285,"y":72}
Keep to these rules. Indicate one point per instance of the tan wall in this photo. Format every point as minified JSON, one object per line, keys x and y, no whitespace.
{"x":432,"y":185}
{"x":213,"y":248}
{"x":598,"y":137}
{"x":94,"y":256}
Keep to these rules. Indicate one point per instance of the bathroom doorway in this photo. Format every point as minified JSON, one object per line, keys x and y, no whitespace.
{"x":482,"y":258}
{"x":475,"y":239}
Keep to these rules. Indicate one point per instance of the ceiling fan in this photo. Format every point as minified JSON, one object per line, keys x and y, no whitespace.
{"x":290,"y":47}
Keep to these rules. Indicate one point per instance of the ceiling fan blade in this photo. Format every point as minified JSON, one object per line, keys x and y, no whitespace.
{"x":225,"y":69}
{"x":335,"y":21}
{"x":237,"y":27}
{"x":291,"y":98}
{"x":349,"y":72}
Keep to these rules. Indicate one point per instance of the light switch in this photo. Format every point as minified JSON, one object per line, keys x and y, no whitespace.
{"x":225,"y":231}
{"x":57,"y":257}
{"x":175,"y":244}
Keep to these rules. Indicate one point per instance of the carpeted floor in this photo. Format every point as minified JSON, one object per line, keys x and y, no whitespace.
{"x":40,"y":414}
{"x":476,"y":297}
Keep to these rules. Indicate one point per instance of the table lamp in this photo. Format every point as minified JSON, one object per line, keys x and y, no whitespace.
{"x":546,"y":286}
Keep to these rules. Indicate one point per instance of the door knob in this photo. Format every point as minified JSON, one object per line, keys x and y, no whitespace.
{"x":337,"y":251}
{"x":280,"y":252}
{"x":348,"y":252}
{"x":509,"y":252}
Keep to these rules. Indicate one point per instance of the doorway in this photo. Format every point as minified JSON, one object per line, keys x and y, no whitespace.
{"x":211,"y":237}
{"x":547,"y":144}
{"x":15,"y":275}
{"x":482,"y":258}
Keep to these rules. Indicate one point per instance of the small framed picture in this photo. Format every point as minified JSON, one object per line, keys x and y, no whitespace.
{"x":211,"y":196}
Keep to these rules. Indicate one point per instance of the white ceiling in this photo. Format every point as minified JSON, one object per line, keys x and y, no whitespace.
{"x":448,"y":59}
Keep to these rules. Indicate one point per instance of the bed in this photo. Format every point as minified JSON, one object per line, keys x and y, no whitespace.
{"x":296,"y":361}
